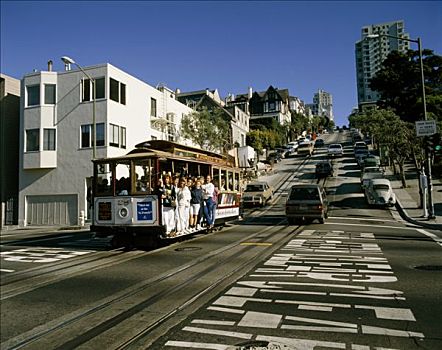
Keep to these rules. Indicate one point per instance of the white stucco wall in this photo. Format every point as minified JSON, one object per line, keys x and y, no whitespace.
{"x":70,"y":165}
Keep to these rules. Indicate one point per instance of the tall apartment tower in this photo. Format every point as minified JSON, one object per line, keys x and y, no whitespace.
{"x":322,"y":104}
{"x":371,"y":52}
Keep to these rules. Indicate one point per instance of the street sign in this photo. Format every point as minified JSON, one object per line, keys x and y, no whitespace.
{"x":425,"y":127}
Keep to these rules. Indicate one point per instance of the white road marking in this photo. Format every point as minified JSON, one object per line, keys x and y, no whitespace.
{"x":238,"y":301}
{"x":40,"y":255}
{"x":218,"y":332}
{"x":351,"y":258}
{"x":435,"y":238}
{"x":242,"y":292}
{"x":390,"y":313}
{"x":365,"y":225}
{"x":260,"y":320}
{"x":390,"y":332}
{"x":361,"y":218}
{"x":225,"y":309}
{"x":192,"y":345}
{"x":320,"y":329}
{"x":6,"y":270}
{"x":319,"y":321}
{"x":219,"y":323}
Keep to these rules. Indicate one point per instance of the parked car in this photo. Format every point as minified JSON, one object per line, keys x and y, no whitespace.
{"x":306,"y":201}
{"x":367,"y":177}
{"x":305,"y":148}
{"x":319,"y":143}
{"x":360,"y":145}
{"x":371,"y":169}
{"x":371,"y":161}
{"x":361,"y":153}
{"x":257,"y":193}
{"x":324,"y":169}
{"x":379,"y":192}
{"x":335,"y":150}
{"x":293,"y":144}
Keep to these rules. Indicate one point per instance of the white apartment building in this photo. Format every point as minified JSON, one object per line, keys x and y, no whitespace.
{"x":56,"y":131}
{"x":322,"y":104}
{"x":239,"y":125}
{"x":371,"y":52}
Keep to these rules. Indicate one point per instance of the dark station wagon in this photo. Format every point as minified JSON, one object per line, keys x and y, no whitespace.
{"x":306,"y":202}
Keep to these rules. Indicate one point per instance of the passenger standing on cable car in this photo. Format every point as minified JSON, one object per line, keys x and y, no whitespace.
{"x":209,"y":208}
{"x":183,"y":197}
{"x":201,"y":220}
{"x":195,"y":204}
{"x":169,"y":203}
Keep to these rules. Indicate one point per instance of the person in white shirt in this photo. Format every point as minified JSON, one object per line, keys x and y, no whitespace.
{"x":183,"y":197}
{"x":209,"y":207}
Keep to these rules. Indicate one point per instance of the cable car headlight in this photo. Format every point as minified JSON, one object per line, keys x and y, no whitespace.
{"x":123,"y":212}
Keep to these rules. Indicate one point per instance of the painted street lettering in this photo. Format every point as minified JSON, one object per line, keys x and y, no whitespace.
{"x":321,"y":282}
{"x":40,"y":255}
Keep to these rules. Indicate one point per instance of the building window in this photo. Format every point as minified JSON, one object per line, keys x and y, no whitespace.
{"x":87,"y":86}
{"x":114,"y":93}
{"x":99,"y":88}
{"x":50,"y":94}
{"x":153,"y":107}
{"x":32,"y":140}
{"x":123,"y":137}
{"x":33,"y":95}
{"x":87,"y":132}
{"x":114,"y":135}
{"x":117,"y":91}
{"x":86,"y":90}
{"x":48,"y":139}
{"x":122,"y":93}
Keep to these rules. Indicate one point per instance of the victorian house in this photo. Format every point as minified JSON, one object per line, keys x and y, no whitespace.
{"x":270,"y":104}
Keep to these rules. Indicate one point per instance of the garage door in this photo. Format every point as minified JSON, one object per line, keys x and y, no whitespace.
{"x":52,"y":210}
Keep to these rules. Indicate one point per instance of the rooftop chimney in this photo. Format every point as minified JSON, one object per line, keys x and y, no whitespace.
{"x":250,"y":92}
{"x":50,"y":65}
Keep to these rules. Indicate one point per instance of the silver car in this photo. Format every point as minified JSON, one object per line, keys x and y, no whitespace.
{"x":379,"y":192}
{"x":257,"y":193}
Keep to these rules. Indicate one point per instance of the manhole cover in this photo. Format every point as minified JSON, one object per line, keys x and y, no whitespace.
{"x":429,"y":267}
{"x":187,"y":249}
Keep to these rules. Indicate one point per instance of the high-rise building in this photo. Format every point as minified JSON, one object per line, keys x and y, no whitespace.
{"x":371,"y":52}
{"x":322,"y":104}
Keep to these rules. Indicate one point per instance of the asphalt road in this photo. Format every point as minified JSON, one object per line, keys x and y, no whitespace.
{"x":362,"y":280}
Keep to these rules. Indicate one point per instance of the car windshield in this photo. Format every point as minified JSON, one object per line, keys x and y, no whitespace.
{"x":381,"y":187}
{"x":335,"y":146}
{"x":254,"y":188}
{"x":304,"y":194}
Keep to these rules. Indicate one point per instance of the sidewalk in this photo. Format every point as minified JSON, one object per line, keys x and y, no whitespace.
{"x":408,"y":200}
{"x":10,"y":231}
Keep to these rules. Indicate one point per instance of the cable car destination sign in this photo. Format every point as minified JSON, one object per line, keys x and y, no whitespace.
{"x":425,"y":127}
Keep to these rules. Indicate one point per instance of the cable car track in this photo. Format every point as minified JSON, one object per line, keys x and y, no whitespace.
{"x":55,"y":327}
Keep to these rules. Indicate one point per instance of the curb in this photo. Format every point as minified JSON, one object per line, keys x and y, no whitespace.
{"x":403,"y":213}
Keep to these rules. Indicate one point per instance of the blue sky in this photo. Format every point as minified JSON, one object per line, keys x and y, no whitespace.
{"x":228,"y":45}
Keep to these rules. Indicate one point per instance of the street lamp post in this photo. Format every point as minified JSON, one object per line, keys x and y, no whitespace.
{"x":68,"y":60}
{"x":430,"y":182}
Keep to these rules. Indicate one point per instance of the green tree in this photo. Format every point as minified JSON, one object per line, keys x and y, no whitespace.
{"x":399,"y":84}
{"x":208,"y":129}
{"x":395,"y":135}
